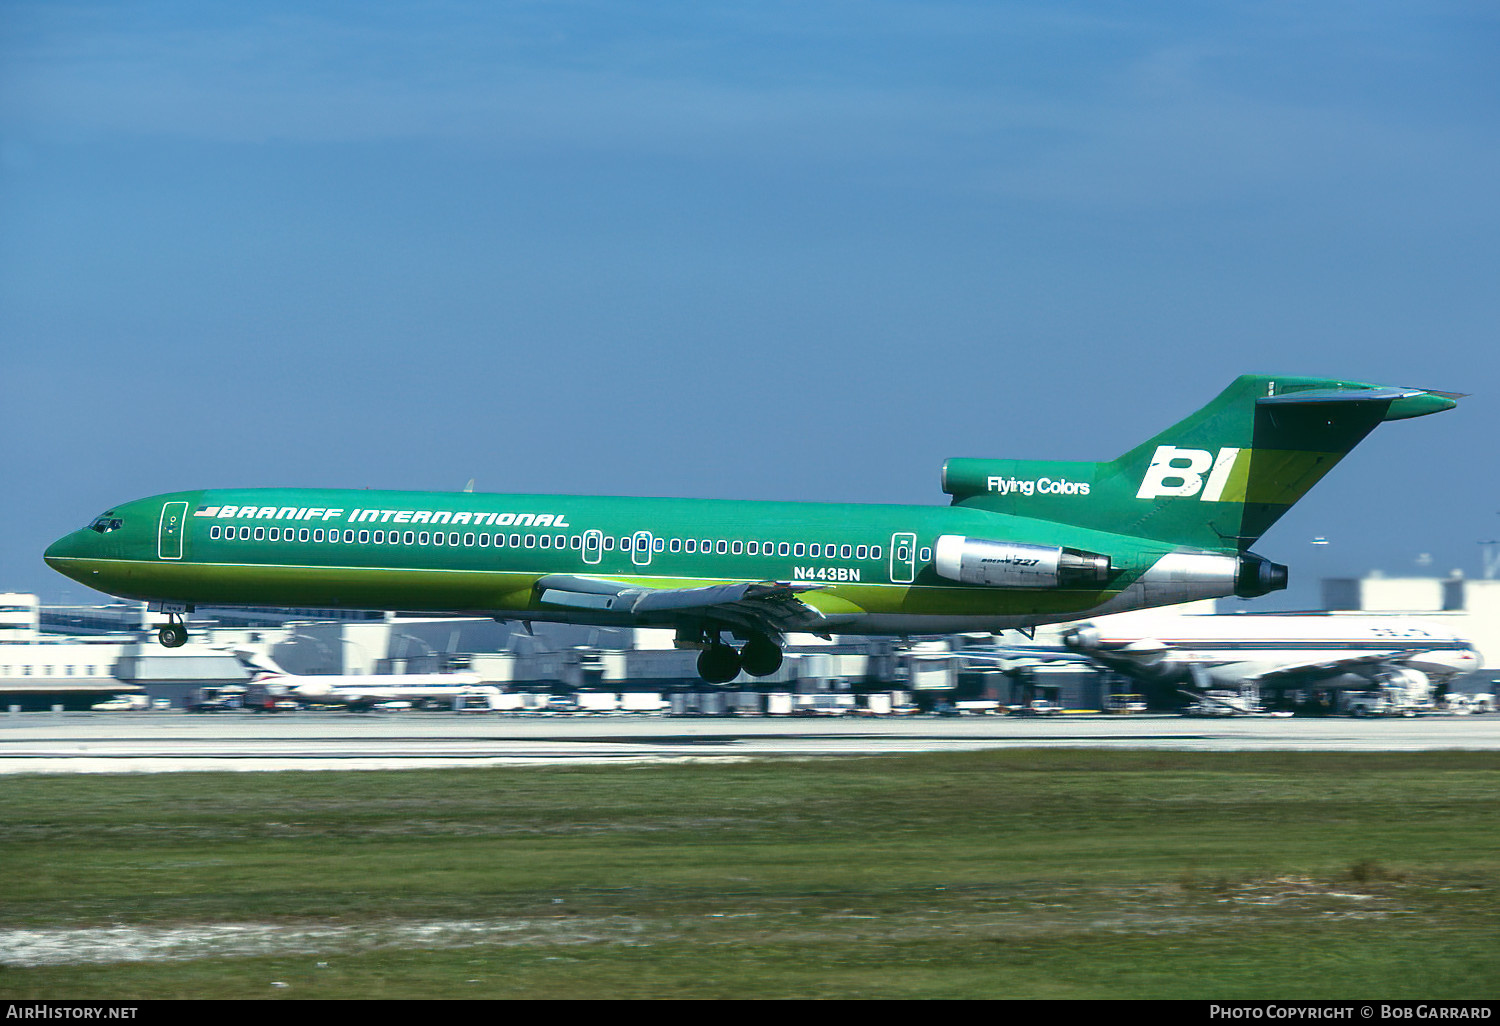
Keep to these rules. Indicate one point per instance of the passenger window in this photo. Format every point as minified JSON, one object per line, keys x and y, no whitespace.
{"x":845,"y":551}
{"x":409,"y":537}
{"x":577,"y":542}
{"x":609,"y":543}
{"x":861,"y":552}
{"x":546,"y":541}
{"x":260,"y":534}
{"x":302,"y":535}
{"x":721,"y":546}
{"x":423,"y":538}
{"x":783,"y":549}
{"x":658,"y":544}
{"x":244,"y":534}
{"x":453,"y":538}
{"x":379,"y":537}
{"x":213,"y":532}
{"x":561,"y":541}
{"x":625,"y":544}
{"x":531,"y":541}
{"x":484,"y":541}
{"x":875,"y":551}
{"x":925,"y":555}
{"x":799,"y":549}
{"x":318,"y":535}
{"x":814,"y":550}
{"x":692,"y":544}
{"x":364,"y":537}
{"x":468,"y":539}
{"x":737,"y":548}
{"x":676,"y":544}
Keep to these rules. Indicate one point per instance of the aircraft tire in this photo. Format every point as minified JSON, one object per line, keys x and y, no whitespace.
{"x":718,"y":664}
{"x":761,"y":657}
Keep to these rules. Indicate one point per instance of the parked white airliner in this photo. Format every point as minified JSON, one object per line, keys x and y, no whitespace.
{"x":1281,"y":650}
{"x":365,"y":689}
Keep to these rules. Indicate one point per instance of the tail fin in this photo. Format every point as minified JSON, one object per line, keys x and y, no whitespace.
{"x":1218,"y":479}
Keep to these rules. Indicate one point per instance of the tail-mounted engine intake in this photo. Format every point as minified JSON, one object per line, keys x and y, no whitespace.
{"x":1001,"y":564}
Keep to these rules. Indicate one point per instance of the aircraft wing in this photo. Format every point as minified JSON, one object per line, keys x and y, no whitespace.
{"x":1003,"y":655}
{"x":771,"y":607}
{"x":1329,"y":667}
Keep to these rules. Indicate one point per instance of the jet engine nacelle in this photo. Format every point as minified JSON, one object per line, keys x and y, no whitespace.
{"x":1002,"y":564}
{"x":1405,"y":678}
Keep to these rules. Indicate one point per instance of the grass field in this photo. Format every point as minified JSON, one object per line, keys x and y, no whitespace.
{"x":1035,"y":874}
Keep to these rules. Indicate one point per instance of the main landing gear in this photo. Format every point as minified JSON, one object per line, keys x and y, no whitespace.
{"x":174,"y":634}
{"x":719,"y":663}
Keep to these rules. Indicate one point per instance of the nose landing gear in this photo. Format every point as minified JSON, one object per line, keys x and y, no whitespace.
{"x":174,"y":634}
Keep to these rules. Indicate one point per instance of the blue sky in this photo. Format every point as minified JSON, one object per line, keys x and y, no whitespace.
{"x":783,"y":251}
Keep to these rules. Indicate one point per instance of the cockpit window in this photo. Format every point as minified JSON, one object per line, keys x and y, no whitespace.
{"x":106,"y":524}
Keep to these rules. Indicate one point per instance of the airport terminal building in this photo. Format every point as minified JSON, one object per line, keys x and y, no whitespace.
{"x":75,"y":656}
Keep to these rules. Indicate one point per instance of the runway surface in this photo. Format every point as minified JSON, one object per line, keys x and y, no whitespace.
{"x":174,"y":741}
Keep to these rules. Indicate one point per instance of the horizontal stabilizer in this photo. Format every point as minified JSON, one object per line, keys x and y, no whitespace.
{"x":1402,"y":402}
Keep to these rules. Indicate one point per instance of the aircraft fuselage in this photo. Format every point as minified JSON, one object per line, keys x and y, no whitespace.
{"x":869,"y":568}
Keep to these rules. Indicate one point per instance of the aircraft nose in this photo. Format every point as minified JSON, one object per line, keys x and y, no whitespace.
{"x":67,"y":548}
{"x":64,"y":548}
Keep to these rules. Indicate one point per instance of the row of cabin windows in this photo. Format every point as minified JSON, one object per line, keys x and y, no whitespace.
{"x":48,"y":671}
{"x":720,"y":546}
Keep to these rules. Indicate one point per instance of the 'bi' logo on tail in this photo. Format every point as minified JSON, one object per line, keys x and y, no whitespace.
{"x":1178,"y":473}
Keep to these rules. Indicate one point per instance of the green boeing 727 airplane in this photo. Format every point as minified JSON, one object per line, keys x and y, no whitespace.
{"x":1022,"y":543}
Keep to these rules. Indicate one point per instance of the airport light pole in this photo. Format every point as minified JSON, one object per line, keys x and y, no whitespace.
{"x":412,"y":637}
{"x":296,"y":636}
